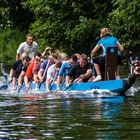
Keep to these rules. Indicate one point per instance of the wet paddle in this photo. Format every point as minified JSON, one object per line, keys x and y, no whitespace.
{"x":55,"y":76}
{"x":75,"y":81}
{"x":5,"y":86}
{"x":19,"y":88}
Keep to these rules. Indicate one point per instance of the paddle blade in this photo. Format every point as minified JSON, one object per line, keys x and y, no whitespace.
{"x":4,"y":87}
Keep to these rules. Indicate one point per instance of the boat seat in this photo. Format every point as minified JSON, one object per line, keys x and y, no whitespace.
{"x":111,"y":62}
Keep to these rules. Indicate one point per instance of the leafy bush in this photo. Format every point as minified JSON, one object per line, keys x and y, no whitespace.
{"x":9,"y":42}
{"x":124,"y":21}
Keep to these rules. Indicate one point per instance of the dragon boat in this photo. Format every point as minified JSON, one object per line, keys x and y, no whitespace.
{"x":115,"y":86}
{"x":109,"y":83}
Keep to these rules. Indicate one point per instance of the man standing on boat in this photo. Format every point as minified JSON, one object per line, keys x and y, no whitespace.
{"x":29,"y":47}
{"x":80,"y":72}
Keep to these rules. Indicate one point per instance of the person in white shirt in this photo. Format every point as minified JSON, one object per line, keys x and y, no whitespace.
{"x":29,"y":47}
{"x":52,"y":74}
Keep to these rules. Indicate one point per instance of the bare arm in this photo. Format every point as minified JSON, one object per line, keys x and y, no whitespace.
{"x":12,"y":73}
{"x":17,"y":56}
{"x":21,"y":76}
{"x":88,"y":73}
{"x":40,"y":75}
{"x":120,"y":47}
{"x":59,"y":79}
{"x":26,"y":81}
{"x":67,"y":80}
{"x":36,"y":78}
{"x":96,"y":48}
{"x":48,"y":81}
{"x":46,"y":52}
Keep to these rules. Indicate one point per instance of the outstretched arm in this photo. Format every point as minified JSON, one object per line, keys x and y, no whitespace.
{"x":120,"y":47}
{"x":26,"y":81}
{"x":17,"y":56}
{"x":59,"y":79}
{"x":96,"y":48}
{"x":67,"y":81}
{"x":40,"y":75}
{"x":20,"y":78}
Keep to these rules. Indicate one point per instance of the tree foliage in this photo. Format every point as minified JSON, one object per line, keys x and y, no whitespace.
{"x":12,"y":14}
{"x":125,"y":21}
{"x":9,"y":42}
{"x":71,"y":26}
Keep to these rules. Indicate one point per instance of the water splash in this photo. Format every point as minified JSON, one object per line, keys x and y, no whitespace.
{"x":61,"y":94}
{"x":132,"y":91}
{"x":37,"y":94}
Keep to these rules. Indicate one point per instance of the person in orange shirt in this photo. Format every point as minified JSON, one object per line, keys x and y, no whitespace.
{"x":30,"y":72}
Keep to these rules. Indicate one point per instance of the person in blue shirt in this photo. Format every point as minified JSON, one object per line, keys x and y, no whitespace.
{"x":107,"y":40}
{"x":65,"y":69}
{"x":79,"y":72}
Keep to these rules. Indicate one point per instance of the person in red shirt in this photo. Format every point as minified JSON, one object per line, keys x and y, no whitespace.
{"x":31,"y":73}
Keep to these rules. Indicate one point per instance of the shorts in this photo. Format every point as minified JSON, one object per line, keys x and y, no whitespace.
{"x":101,"y":60}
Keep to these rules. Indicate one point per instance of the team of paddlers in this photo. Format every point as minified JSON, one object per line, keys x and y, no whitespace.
{"x":58,"y":67}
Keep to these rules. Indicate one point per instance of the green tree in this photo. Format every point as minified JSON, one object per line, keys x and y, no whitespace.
{"x":125,"y":22}
{"x":69,"y":25}
{"x":9,"y":42}
{"x":4,"y":14}
{"x":14,"y":15}
{"x":14,"y":24}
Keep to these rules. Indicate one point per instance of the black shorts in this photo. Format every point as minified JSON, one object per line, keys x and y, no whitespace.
{"x":101,"y":60}
{"x":86,"y":79}
{"x":16,"y":64}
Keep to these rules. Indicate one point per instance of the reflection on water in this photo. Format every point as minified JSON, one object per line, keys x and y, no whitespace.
{"x":35,"y":117}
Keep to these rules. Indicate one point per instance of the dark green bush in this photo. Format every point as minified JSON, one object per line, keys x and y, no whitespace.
{"x":9,"y":42}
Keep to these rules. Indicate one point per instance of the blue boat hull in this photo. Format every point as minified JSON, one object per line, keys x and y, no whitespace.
{"x":111,"y":85}
{"x":116,"y":86}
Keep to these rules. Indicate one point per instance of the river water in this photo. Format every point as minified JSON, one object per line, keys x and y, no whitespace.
{"x":37,"y":117}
